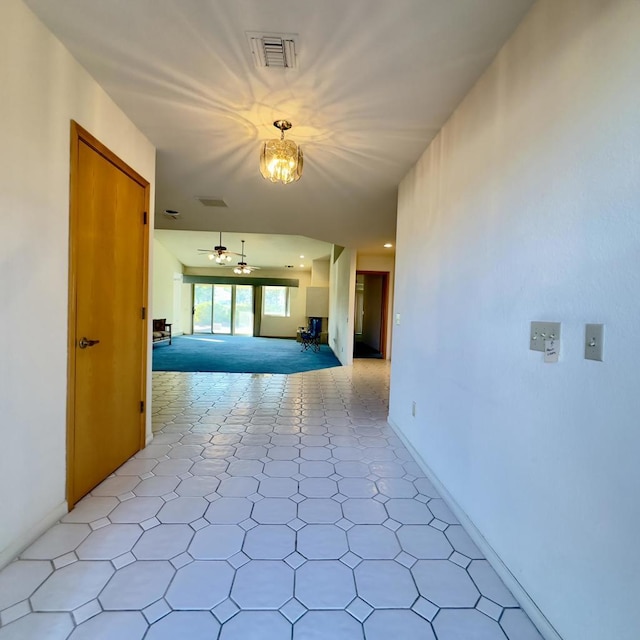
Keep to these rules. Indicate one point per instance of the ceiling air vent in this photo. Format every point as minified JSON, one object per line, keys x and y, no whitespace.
{"x":211,"y":202}
{"x":273,"y":50}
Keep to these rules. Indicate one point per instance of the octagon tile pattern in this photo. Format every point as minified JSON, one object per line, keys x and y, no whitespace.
{"x":267,"y":506}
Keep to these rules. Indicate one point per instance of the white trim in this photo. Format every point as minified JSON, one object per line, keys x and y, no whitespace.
{"x":31,"y":535}
{"x":528,"y":605}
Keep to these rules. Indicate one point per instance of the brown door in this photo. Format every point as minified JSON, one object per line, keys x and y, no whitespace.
{"x":107,"y":350}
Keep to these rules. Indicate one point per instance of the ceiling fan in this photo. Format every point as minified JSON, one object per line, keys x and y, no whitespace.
{"x":219,"y":253}
{"x":243,"y":268}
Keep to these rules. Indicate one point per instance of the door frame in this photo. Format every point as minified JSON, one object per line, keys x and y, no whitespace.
{"x":384,"y":307}
{"x":81,"y":135}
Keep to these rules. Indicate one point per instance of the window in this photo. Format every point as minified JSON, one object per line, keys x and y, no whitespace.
{"x":275,"y":301}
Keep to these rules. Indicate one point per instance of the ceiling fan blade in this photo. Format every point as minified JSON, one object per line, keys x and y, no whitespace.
{"x":219,"y":251}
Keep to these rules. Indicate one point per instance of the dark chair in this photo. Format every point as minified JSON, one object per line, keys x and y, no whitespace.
{"x":161,"y":330}
{"x":310,"y":336}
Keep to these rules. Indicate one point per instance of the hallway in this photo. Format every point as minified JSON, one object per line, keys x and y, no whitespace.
{"x":267,"y":507}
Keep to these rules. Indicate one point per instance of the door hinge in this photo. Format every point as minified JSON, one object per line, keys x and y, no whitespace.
{"x":144,"y":217}
{"x":141,"y":406}
{"x":144,"y":313}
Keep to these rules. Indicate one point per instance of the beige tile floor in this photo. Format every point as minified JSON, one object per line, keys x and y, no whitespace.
{"x":267,"y":507}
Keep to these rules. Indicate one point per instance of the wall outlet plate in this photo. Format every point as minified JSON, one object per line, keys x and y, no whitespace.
{"x":594,"y":342}
{"x":541,"y":331}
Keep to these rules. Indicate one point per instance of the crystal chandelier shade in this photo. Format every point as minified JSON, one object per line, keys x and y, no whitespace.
{"x":281,"y":160}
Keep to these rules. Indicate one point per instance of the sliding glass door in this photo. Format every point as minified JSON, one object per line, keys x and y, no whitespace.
{"x":222,"y":305}
{"x":243,"y":310}
{"x":202,"y":308}
{"x":223,"y":308}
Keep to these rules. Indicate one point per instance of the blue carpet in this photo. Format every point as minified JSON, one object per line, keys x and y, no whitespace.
{"x":239,"y":354}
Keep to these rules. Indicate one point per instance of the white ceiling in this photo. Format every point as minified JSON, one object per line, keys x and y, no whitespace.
{"x":375,"y":81}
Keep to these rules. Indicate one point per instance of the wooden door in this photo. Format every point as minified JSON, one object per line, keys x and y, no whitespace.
{"x":108,"y":288}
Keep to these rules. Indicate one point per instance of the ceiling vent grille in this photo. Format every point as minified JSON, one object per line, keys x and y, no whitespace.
{"x":273,"y":50}
{"x":211,"y":202}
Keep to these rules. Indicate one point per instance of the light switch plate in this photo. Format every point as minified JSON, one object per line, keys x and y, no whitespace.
{"x":541,"y":331}
{"x":594,"y":342}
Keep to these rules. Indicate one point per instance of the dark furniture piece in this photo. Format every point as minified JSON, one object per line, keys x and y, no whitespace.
{"x":310,"y":336}
{"x":161,"y":330}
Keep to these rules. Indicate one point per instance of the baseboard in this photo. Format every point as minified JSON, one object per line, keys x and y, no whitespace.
{"x":528,"y":605}
{"x":31,"y":535}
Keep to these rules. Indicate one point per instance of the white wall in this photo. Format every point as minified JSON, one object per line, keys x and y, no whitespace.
{"x":320,"y":271}
{"x":167,"y":287}
{"x":186,"y":301}
{"x":367,"y":262}
{"x":317,"y":302}
{"x":342,"y":295}
{"x":527,"y":207}
{"x":43,"y":88}
{"x":276,"y":327}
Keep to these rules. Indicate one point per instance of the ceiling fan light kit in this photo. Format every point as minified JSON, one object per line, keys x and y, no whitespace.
{"x":220,"y":258}
{"x":219,"y":253}
{"x":281,"y":160}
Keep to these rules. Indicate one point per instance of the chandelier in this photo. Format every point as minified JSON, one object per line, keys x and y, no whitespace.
{"x":281,"y":160}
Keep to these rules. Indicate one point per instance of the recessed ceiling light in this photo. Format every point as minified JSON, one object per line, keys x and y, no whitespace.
{"x":388,"y":245}
{"x":301,"y":257}
{"x":171,"y":213}
{"x":302,"y":265}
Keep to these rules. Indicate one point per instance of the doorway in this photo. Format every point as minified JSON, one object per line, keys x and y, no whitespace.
{"x":107,"y":346}
{"x":223,"y":309}
{"x":370,"y":326}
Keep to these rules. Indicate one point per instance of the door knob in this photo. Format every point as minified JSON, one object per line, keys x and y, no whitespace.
{"x":85,"y":342}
